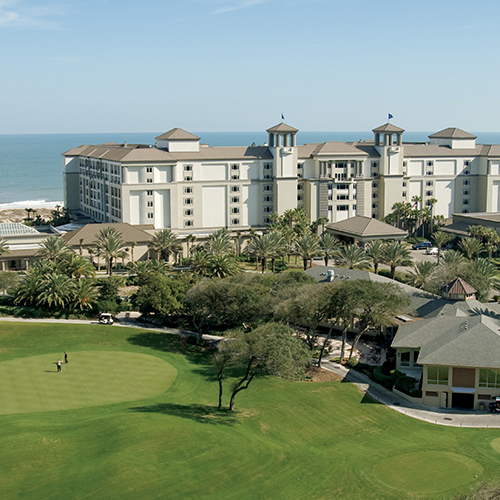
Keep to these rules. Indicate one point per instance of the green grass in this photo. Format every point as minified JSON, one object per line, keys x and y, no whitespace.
{"x":162,"y":436}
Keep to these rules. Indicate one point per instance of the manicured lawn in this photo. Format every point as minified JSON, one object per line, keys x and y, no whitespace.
{"x":132,"y":417}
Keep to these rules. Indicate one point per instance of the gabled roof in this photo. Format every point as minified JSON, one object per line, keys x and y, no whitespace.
{"x":337,"y":148}
{"x":360,"y":226}
{"x":89,"y":233}
{"x":177,"y":134}
{"x":458,"y":287}
{"x":388,"y":127}
{"x":282,"y":127}
{"x":452,"y":133}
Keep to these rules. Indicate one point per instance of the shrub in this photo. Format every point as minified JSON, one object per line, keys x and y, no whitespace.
{"x":351,"y":363}
{"x":385,"y":380}
{"x":403,"y":382}
{"x":335,"y":360}
{"x":388,"y":366}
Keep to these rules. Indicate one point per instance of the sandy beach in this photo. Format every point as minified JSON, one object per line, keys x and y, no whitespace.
{"x":19,"y":214}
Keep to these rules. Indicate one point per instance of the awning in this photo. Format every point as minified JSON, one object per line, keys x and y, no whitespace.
{"x":464,"y":390}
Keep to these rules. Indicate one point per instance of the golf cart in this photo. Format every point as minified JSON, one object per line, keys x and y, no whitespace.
{"x":495,"y":406}
{"x":106,"y":319}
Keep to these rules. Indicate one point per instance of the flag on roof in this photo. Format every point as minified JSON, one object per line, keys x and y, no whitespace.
{"x":282,"y":116}
{"x":390,"y":116}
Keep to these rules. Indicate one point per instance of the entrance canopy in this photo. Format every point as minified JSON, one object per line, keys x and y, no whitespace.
{"x":364,"y":229}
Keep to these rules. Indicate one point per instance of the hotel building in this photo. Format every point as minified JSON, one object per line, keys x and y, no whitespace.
{"x":191,"y":187}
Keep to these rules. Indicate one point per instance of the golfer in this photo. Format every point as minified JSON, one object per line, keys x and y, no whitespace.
{"x":66,"y":358}
{"x":59,"y":368}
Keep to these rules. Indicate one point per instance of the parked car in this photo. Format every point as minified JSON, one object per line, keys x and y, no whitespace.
{"x":432,"y":251}
{"x":495,"y":406}
{"x":106,"y":319}
{"x":421,"y":245}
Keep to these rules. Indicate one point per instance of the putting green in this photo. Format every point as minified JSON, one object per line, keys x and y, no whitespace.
{"x":495,"y":444}
{"x":427,"y":472}
{"x":91,"y":378}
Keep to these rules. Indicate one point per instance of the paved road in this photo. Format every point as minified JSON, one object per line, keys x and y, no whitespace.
{"x":440,"y":416}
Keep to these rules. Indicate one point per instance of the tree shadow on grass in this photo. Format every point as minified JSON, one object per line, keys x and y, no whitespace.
{"x":199,"y":413}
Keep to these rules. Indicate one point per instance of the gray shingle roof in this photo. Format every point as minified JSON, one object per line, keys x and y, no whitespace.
{"x":282,"y":127}
{"x":388,"y":127}
{"x":177,"y":134}
{"x":89,"y":233}
{"x":361,"y":226}
{"x":452,"y":133}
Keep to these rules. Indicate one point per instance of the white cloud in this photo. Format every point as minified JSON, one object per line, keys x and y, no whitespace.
{"x":239,"y":6}
{"x":17,"y":13}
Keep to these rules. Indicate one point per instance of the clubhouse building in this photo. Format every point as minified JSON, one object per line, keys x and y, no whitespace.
{"x":191,"y":187}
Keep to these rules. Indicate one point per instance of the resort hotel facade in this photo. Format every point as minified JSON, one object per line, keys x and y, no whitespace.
{"x":191,"y":187}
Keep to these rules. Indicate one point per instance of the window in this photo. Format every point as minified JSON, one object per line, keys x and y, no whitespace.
{"x":188,"y":201}
{"x":300,"y":187}
{"x":403,"y":194}
{"x":465,"y":211}
{"x":188,"y":212}
{"x":188,"y":223}
{"x":149,"y":180}
{"x":342,"y":208}
{"x":300,"y":165}
{"x":330,"y":208}
{"x":374,"y":164}
{"x":330,"y":185}
{"x":188,"y":168}
{"x":268,"y":166}
{"x":342,"y":186}
{"x":268,"y":187}
{"x":235,"y":189}
{"x":150,"y":215}
{"x":150,"y":203}
{"x":235,"y":166}
{"x":299,"y":176}
{"x":268,"y":210}
{"x":466,"y":192}
{"x":465,"y":201}
{"x":235,"y":210}
{"x":188,"y":178}
{"x":235,"y":222}
{"x":300,"y":197}
{"x":404,"y":184}
{"x":429,"y":183}
{"x":374,"y":205}
{"x":342,"y":197}
{"x":149,"y":192}
{"x":429,"y":193}
{"x":489,"y":378}
{"x":466,"y":163}
{"x":430,"y":163}
{"x":188,"y":190}
{"x":405,"y":357}
{"x":149,"y":170}
{"x":405,"y":163}
{"x":437,"y":375}
{"x":375,"y":184}
{"x":235,"y":199}
{"x":267,"y":176}
{"x":268,"y":197}
{"x":374,"y":195}
{"x":267,"y":220}
{"x":429,"y":172}
{"x":235,"y":177}
{"x":466,"y":182}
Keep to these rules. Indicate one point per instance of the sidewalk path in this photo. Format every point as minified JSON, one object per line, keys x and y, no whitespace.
{"x":440,"y":416}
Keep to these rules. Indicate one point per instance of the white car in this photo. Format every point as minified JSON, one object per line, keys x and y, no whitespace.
{"x":432,"y":251}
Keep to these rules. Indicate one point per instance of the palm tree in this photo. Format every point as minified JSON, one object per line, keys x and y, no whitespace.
{"x":329,"y":246}
{"x":85,"y":295}
{"x":374,"y":250}
{"x":4,"y":249}
{"x":164,"y":243}
{"x":265,"y":247}
{"x":199,"y":262}
{"x":470,"y":247}
{"x":308,"y":246}
{"x":190,"y":239}
{"x":110,"y":246}
{"x":440,"y":238}
{"x":396,"y":254}
{"x":352,"y":257}
{"x":77,"y":266}
{"x":220,"y":243}
{"x":53,"y":248}
{"x":56,"y":290}
{"x":221,"y":266}
{"x":29,"y":288}
{"x":132,"y":246}
{"x":421,"y":274}
{"x":452,"y":259}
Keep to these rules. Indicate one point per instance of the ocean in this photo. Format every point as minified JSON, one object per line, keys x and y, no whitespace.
{"x":31,"y":165}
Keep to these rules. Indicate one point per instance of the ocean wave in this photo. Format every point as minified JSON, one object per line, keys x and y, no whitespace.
{"x":30,"y":204}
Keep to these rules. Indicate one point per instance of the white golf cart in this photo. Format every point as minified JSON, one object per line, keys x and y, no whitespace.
{"x":106,"y":319}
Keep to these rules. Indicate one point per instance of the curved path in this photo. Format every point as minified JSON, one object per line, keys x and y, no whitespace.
{"x":440,"y":416}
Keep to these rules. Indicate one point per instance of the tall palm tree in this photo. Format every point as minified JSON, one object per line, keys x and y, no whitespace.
{"x":164,"y":243}
{"x":190,"y":239}
{"x":440,"y":239}
{"x":308,"y":246}
{"x":220,"y":243}
{"x":396,"y":254}
{"x":4,"y":250}
{"x":76,"y":266}
{"x":85,"y":295}
{"x":352,"y":257}
{"x":422,"y":272}
{"x":452,"y":259}
{"x":374,"y":250}
{"x":221,"y":266}
{"x":470,"y":247}
{"x":53,"y":248}
{"x":56,"y":290}
{"x":199,"y":262}
{"x":110,"y":246}
{"x":264,"y":248}
{"x":329,"y":246}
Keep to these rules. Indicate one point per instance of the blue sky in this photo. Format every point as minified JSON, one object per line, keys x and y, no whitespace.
{"x":236,"y":65}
